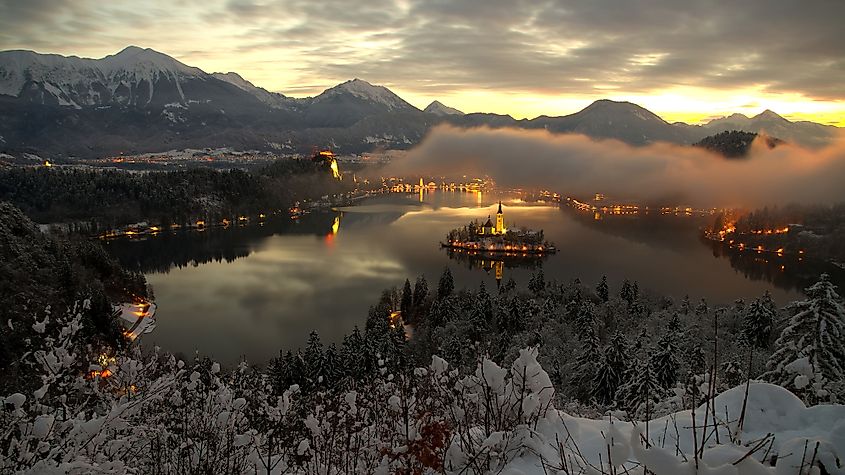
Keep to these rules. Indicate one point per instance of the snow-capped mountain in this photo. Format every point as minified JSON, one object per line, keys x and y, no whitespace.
{"x":134,"y":76}
{"x":365,"y":91}
{"x":437,"y":108}
{"x":140,"y":100}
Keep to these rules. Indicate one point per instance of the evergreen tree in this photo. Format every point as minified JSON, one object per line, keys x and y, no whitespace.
{"x":398,"y":357}
{"x":481,"y":313}
{"x":664,"y":361}
{"x":694,"y":358}
{"x":611,"y":370}
{"x":354,"y":356}
{"x":537,"y":283}
{"x":420,"y":291}
{"x":446,"y":285}
{"x":757,"y":324}
{"x":685,"y":305}
{"x":732,"y":374}
{"x":641,"y":391}
{"x":586,"y":364}
{"x":585,"y":319}
{"x":407,"y":300}
{"x":510,"y":286}
{"x":602,"y":289}
{"x":626,"y":293}
{"x":333,"y":373}
{"x":809,"y":357}
{"x":701,"y":309}
{"x":574,"y":304}
{"x":637,"y":309}
{"x":315,"y":363}
{"x":674,"y":325}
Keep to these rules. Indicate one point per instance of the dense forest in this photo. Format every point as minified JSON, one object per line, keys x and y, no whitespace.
{"x":111,"y":198}
{"x":733,"y":143}
{"x":40,"y":271}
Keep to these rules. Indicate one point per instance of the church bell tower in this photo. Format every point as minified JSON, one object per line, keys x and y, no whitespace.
{"x":500,"y":220}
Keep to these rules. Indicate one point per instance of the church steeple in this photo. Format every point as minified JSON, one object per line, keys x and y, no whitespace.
{"x":500,"y":220}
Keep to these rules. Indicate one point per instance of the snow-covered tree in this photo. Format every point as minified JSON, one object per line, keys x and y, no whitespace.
{"x":420,"y":291}
{"x":446,"y":285}
{"x":611,"y":370}
{"x":685,"y":305}
{"x":641,"y":391}
{"x":664,"y":361}
{"x":537,"y":283}
{"x":602,"y":289}
{"x":809,"y":357}
{"x":315,"y":362}
{"x":757,"y":323}
{"x":407,"y":299}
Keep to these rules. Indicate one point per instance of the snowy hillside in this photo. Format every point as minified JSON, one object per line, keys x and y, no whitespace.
{"x":365,"y":91}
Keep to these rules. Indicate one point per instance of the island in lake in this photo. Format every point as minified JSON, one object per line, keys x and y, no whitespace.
{"x":489,"y":238}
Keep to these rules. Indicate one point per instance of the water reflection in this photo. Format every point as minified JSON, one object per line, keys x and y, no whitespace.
{"x":254,"y":290}
{"x":789,"y":272}
{"x":496,"y":265}
{"x":182,"y":248}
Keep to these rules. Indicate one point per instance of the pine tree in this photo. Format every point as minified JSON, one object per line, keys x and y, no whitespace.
{"x":685,"y":305}
{"x":664,"y":361}
{"x":757,"y":324}
{"x":701,"y":309}
{"x":354,"y":356}
{"x":626,"y":293}
{"x":573,"y":305}
{"x":420,"y":291}
{"x":446,"y":285}
{"x":642,"y":388}
{"x":333,"y":373}
{"x":611,"y":370}
{"x":809,"y":357}
{"x":694,"y":358}
{"x":637,"y":308}
{"x":732,"y":374}
{"x":602,"y":289}
{"x":481,"y":313}
{"x":407,"y":299}
{"x":315,"y":364}
{"x":586,"y":364}
{"x":585,"y":319}
{"x":537,"y":283}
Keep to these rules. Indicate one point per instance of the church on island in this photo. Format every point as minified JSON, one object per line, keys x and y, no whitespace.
{"x":489,"y":238}
{"x":489,"y":229}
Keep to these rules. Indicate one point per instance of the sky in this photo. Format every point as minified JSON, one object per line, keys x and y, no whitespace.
{"x":690,"y":60}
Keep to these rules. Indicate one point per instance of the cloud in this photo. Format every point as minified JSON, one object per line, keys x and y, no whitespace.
{"x":442,"y":46}
{"x":656,"y":174}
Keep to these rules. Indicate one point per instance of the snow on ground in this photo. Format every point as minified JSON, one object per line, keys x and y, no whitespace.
{"x":777,"y":425}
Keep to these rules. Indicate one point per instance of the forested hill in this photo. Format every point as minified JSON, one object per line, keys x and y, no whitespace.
{"x":115,"y":197}
{"x":42,"y":275}
{"x":734,"y":143}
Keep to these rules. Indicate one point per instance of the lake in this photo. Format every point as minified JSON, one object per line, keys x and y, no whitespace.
{"x":251,"y":291}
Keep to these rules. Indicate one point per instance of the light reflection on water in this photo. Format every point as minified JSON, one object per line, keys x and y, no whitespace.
{"x":256,"y":290}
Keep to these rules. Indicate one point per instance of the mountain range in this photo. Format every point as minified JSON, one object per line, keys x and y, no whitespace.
{"x":140,"y":100}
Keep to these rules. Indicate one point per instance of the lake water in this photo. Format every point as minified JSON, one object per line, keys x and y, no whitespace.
{"x":255,"y":290}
